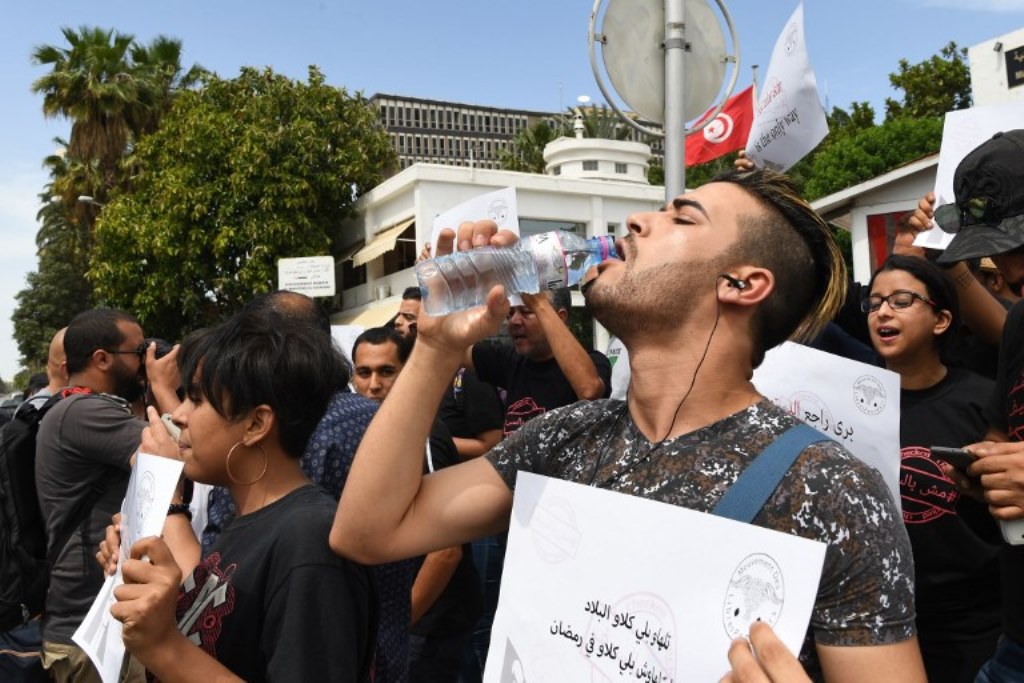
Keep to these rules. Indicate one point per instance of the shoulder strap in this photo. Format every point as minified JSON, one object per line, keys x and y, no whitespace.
{"x":758,"y":481}
{"x":79,"y":515}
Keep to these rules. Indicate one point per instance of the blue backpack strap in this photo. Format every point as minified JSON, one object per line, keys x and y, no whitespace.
{"x":758,"y":481}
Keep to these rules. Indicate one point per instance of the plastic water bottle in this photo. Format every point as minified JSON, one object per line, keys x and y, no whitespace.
{"x":546,"y":261}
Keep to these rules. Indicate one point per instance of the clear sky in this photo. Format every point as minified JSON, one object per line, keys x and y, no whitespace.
{"x":529,"y":54}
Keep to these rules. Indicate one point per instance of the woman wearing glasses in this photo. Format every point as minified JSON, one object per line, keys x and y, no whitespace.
{"x":912,"y":315}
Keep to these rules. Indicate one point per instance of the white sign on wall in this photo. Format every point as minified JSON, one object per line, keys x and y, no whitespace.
{"x":309,"y":275}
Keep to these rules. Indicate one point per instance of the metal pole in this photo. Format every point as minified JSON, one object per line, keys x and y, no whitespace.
{"x":675,"y":115}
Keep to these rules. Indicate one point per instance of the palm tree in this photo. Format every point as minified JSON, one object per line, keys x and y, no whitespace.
{"x":598,"y":122}
{"x":159,"y":72}
{"x":91,"y":83}
{"x":527,"y":153}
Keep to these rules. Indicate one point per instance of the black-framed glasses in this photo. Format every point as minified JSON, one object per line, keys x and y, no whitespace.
{"x":901,"y":298}
{"x":974,"y":211}
{"x":140,"y":351}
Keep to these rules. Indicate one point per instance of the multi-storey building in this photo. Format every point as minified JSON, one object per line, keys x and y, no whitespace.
{"x":457,"y":134}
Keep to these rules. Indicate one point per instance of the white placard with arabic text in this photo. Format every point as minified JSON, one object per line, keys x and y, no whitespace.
{"x":143,"y":512}
{"x":856,"y":404}
{"x":604,"y":586}
{"x":962,"y":131}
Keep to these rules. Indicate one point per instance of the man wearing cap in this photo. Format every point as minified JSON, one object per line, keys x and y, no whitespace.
{"x":987,"y":219}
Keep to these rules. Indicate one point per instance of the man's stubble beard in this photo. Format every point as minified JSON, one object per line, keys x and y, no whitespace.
{"x":659,"y":299}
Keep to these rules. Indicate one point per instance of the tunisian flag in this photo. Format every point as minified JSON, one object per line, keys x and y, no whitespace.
{"x":727,"y":133}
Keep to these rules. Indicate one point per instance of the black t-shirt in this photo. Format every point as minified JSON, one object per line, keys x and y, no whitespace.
{"x":470,"y":407}
{"x":272,"y":602}
{"x":533,"y":387}
{"x":956,"y":542}
{"x":1006,"y":412}
{"x":457,"y":608}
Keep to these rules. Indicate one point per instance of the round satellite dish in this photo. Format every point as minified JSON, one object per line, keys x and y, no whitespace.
{"x":633,"y":31}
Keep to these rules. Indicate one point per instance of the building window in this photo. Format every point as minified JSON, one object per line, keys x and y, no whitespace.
{"x":620,"y":168}
{"x":556,"y":170}
{"x":590,"y":165}
{"x":404,"y":254}
{"x":352,"y":276}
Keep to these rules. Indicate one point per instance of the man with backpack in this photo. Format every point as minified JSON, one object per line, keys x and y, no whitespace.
{"x":84,"y":449}
{"x":23,"y":570}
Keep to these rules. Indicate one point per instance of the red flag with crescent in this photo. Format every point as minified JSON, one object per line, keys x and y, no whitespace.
{"x":728,"y":131}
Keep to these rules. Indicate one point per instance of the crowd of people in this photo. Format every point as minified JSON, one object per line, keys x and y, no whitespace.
{"x":345,"y":521}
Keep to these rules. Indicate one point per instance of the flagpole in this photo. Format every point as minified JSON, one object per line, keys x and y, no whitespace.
{"x":675,"y":115}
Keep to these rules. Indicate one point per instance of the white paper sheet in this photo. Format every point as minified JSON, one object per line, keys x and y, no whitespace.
{"x":856,"y":404}
{"x":789,"y":120}
{"x":605,"y":586}
{"x":962,"y":132}
{"x":143,"y":512}
{"x":499,"y":206}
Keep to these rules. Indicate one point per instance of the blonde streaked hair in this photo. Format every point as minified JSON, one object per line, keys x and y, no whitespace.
{"x":793,"y":311}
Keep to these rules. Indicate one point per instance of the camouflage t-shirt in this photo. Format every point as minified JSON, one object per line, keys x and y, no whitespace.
{"x":866,"y":592}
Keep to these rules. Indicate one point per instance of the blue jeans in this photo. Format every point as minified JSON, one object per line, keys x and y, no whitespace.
{"x":488,"y":557}
{"x":1006,"y":666}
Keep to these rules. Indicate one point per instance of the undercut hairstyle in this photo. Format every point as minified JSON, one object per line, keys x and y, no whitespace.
{"x":561,"y":298}
{"x":376,"y":336}
{"x":243,"y":363}
{"x":412,"y":293}
{"x":91,"y":330}
{"x":792,"y":241}
{"x":938,"y":287}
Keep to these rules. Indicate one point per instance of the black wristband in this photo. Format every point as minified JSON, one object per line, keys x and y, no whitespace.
{"x":186,"y":490}
{"x":179,"y":509}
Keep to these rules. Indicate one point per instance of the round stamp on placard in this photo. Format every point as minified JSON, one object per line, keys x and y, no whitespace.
{"x":756,"y":592}
{"x":556,"y":535}
{"x":869,"y":395}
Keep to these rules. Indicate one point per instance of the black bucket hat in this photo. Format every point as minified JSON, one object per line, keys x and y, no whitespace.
{"x":988,"y":216}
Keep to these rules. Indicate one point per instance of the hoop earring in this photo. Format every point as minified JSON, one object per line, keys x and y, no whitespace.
{"x":227,"y":466}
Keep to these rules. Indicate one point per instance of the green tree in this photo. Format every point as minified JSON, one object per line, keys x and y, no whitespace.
{"x":158,"y":68}
{"x":240,"y":173}
{"x":599,"y":121}
{"x":871,"y":152}
{"x":527,"y":153}
{"x":56,"y":290}
{"x":113,"y":91}
{"x":931,"y":88}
